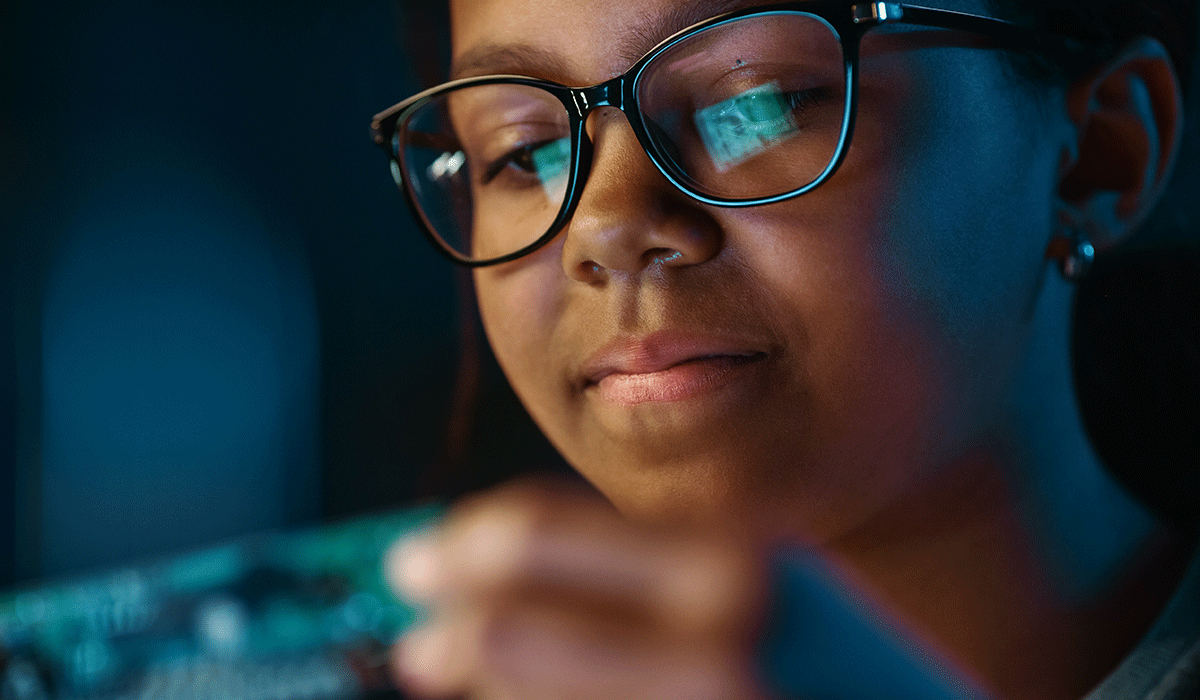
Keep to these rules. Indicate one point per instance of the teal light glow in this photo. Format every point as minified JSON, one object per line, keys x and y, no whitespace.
{"x":552,"y":162}
{"x":744,"y":125}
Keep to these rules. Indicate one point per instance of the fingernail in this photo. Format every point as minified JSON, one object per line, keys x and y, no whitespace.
{"x":412,"y":566}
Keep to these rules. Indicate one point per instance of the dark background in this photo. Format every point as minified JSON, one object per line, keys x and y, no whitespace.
{"x":215,"y":314}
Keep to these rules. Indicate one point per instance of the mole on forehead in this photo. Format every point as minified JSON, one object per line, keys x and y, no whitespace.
{"x":630,"y":42}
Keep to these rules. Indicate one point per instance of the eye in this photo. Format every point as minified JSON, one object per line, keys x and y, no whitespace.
{"x":520,"y":159}
{"x":763,"y":118}
{"x":765,"y":103}
{"x":538,"y":162}
{"x":800,"y":101}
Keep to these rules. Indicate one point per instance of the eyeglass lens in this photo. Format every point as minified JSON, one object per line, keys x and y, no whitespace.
{"x":746,"y":109}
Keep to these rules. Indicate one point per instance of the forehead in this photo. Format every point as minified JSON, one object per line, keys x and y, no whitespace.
{"x":581,"y":41}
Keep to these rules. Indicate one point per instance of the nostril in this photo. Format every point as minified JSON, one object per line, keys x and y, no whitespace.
{"x":662,"y":256}
{"x":589,"y":271}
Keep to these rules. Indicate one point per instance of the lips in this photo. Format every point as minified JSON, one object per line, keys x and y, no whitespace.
{"x":664,"y":367}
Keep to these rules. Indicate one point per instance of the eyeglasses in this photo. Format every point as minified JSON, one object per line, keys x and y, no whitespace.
{"x":747,"y":108}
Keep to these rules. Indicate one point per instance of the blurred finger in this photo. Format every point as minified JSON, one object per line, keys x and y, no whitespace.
{"x":534,"y":541}
{"x":438,"y":659}
{"x":533,"y":653}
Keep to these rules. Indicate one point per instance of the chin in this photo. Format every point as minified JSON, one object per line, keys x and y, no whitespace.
{"x":687,"y":491}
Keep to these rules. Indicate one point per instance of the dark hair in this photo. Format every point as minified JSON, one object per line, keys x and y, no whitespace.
{"x":1136,"y":355}
{"x":1102,"y":28}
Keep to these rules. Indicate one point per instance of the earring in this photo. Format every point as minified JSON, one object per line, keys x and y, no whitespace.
{"x":1076,"y":254}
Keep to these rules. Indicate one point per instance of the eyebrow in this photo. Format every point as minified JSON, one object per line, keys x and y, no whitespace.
{"x":655,"y":28}
{"x":523,"y":59}
{"x":530,"y":59}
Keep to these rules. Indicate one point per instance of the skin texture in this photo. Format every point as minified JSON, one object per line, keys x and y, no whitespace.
{"x":851,"y":303}
{"x":907,"y":409}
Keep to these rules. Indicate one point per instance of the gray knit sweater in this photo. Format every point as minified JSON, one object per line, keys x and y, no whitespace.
{"x":1165,"y":665}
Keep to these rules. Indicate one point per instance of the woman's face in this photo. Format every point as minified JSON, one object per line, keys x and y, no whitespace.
{"x":823,"y":356}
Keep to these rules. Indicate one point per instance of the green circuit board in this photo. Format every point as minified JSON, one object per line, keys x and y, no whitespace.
{"x":304,"y":615}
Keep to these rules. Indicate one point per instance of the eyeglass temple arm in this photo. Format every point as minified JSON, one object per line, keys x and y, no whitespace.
{"x":382,"y":131}
{"x":1012,"y":34}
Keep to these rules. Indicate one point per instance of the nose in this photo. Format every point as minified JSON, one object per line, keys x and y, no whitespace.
{"x":629,"y":217}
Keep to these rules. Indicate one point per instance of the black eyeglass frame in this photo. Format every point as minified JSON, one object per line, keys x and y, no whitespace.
{"x":849,"y":20}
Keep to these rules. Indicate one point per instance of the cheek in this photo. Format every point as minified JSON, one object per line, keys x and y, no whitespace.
{"x":917,"y":266}
{"x":969,"y":221}
{"x":870,"y":355}
{"x":521,"y":305}
{"x":965,"y":222}
{"x":514,"y":312}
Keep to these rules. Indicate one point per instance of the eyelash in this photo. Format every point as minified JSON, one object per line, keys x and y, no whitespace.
{"x":802,"y":100}
{"x":494,"y":169}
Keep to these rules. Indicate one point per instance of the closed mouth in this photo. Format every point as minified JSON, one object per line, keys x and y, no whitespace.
{"x":674,"y":382}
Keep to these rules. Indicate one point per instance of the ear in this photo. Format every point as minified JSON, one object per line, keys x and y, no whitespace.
{"x":1128,"y":119}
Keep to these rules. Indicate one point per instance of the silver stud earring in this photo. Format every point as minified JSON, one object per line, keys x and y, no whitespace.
{"x":1079,"y":256}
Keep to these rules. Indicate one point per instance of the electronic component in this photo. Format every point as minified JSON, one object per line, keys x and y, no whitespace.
{"x":285,"y":616}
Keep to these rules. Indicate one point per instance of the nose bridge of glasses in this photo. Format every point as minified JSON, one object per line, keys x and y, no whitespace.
{"x":606,"y":94}
{"x":870,"y":13}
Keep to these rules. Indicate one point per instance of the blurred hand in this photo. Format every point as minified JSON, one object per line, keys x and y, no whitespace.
{"x":539,"y":591}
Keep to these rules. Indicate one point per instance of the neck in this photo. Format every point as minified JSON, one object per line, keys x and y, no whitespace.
{"x":1031,"y":567}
